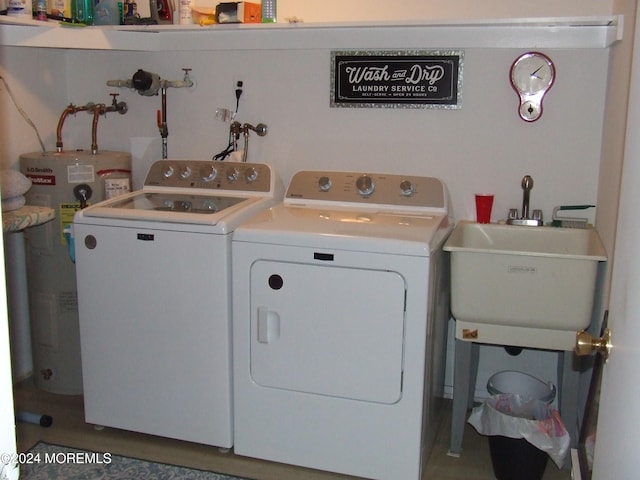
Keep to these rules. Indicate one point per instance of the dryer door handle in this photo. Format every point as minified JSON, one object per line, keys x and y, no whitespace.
{"x":268,"y":325}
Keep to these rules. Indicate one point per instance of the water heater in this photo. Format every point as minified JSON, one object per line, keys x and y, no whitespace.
{"x":65,"y":181}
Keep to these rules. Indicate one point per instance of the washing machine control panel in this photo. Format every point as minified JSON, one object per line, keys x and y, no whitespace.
{"x":368,"y":188}
{"x":206,"y":174}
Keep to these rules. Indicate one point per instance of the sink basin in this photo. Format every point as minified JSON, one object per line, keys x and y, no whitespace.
{"x":524,"y":286}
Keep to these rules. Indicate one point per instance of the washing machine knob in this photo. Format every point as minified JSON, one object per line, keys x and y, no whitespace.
{"x":210,"y":205}
{"x":185,"y":171}
{"x":251,"y":174}
{"x":208,"y":172}
{"x":406,"y":187}
{"x":365,"y":185}
{"x":324,"y":183}
{"x":232,"y":174}
{"x":168,"y":171}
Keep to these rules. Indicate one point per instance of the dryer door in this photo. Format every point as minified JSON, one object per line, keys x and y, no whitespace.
{"x":328,"y":330}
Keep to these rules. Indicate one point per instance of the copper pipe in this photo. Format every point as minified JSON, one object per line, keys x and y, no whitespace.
{"x":97,"y":111}
{"x":102,"y":109}
{"x":70,"y":109}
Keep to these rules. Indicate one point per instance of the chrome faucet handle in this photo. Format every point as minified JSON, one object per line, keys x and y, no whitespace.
{"x":537,"y":215}
{"x":513,"y":214}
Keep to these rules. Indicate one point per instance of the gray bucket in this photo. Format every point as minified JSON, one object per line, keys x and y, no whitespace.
{"x":523,"y":384}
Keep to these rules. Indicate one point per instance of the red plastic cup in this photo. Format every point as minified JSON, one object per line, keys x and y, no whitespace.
{"x":484,"y":203}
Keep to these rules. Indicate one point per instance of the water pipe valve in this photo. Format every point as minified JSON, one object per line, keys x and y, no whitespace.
{"x":146,"y":83}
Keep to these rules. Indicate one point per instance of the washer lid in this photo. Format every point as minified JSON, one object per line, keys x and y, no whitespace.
{"x":403,"y":233}
{"x":193,"y":192}
{"x":173,"y":202}
{"x":176,"y":207}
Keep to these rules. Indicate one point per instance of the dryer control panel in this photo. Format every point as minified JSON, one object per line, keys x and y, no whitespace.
{"x":368,"y":188}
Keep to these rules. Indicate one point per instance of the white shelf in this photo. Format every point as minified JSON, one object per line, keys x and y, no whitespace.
{"x":557,"y":32}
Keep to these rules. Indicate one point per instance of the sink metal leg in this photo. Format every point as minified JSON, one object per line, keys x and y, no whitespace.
{"x":465,"y":373}
{"x":569,"y":384}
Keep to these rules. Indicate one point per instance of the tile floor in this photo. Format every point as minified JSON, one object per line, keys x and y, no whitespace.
{"x":70,"y":429}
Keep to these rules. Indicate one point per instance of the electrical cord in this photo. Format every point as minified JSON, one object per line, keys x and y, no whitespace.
{"x":233,"y":137}
{"x":238,"y":95}
{"x":227,"y":151}
{"x":24,"y":115}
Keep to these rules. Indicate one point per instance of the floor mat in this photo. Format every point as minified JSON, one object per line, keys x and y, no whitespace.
{"x":54,"y":462}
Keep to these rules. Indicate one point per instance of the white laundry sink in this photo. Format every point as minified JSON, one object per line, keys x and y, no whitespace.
{"x":526,"y":286}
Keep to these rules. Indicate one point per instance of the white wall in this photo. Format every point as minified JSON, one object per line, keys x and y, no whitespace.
{"x":369,"y":10}
{"x":482,"y":147}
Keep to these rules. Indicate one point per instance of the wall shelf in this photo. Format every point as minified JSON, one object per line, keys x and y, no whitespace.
{"x":557,"y":32}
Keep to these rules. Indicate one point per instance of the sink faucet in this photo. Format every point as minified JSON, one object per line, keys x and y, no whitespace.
{"x":527,"y":186}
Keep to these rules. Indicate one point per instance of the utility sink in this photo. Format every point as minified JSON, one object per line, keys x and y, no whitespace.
{"x":521,"y":285}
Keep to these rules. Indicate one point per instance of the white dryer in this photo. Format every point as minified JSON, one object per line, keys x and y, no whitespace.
{"x":340,"y":308}
{"x":154,"y":280}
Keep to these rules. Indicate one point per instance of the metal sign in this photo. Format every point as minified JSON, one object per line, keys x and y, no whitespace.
{"x":392,"y":79}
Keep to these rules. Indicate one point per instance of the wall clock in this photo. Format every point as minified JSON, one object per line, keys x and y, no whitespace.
{"x":532,"y":75}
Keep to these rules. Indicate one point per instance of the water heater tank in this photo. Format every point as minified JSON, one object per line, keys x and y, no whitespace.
{"x":64,"y":181}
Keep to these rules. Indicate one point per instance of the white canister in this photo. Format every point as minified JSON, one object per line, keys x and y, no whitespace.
{"x":185,"y":12}
{"x":21,"y":8}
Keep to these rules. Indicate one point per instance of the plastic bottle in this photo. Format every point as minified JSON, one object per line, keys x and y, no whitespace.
{"x":41,"y":9}
{"x":82,"y":11}
{"x":106,"y":12}
{"x":269,"y":11}
{"x":20,"y":8}
{"x":185,"y":12}
{"x":59,"y":8}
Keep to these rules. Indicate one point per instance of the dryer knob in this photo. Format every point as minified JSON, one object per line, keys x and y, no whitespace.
{"x":365,"y":185}
{"x":324,"y":183}
{"x":232,"y":174}
{"x":406,"y":187}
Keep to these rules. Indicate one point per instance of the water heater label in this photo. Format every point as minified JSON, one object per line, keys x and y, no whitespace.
{"x":42,"y":179}
{"x":66,"y":211}
{"x":114,"y":187}
{"x":80,"y":173}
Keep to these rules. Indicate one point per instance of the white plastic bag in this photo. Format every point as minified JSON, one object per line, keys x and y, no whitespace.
{"x":514,"y":416}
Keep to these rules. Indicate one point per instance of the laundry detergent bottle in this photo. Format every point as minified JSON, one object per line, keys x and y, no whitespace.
{"x":82,"y":11}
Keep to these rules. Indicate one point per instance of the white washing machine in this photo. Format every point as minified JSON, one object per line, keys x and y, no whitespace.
{"x":340,"y":308}
{"x":154,"y":298}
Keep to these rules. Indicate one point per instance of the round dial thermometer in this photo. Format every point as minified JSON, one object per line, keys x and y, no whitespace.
{"x":532,"y":75}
